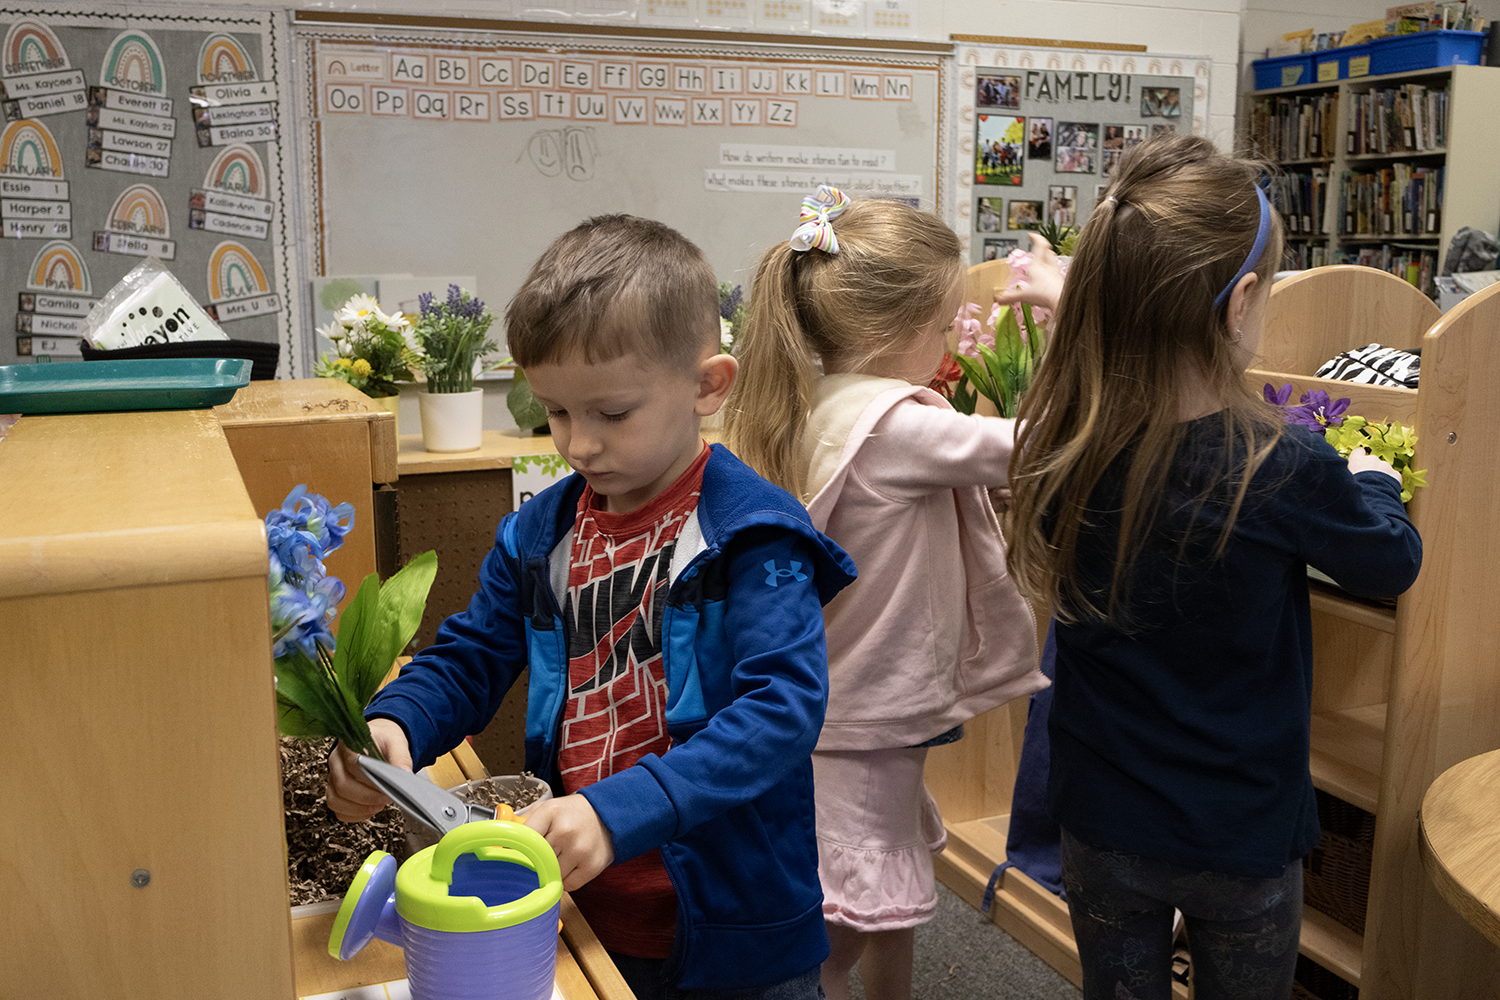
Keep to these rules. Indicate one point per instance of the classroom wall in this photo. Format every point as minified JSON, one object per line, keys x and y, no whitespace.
{"x":1229,"y":32}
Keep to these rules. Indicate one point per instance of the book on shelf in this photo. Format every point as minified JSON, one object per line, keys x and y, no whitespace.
{"x":1402,"y":199}
{"x":1410,"y":118}
{"x":1302,"y":199}
{"x":1299,"y":127}
{"x":1413,"y":264}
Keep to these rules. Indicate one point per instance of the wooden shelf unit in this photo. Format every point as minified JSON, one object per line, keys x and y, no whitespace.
{"x":1399,"y":694}
{"x":1471,"y":160}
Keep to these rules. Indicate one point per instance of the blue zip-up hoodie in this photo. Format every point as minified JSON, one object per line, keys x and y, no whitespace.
{"x":731,"y":804}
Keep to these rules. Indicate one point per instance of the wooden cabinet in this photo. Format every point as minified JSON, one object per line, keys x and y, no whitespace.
{"x":143,"y":845}
{"x":1346,"y":157}
{"x":327,"y":434}
{"x":1400,"y":693}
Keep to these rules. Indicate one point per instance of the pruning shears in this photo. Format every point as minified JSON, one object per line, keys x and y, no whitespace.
{"x":420,"y":798}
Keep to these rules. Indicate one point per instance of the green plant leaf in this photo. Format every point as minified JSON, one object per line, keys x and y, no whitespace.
{"x":357,"y":634}
{"x":977,"y":375}
{"x":399,"y":609}
{"x":303,"y":684}
{"x":522,"y":404}
{"x":291,"y":720}
{"x":965,"y":399}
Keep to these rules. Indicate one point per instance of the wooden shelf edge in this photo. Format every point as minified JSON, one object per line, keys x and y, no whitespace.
{"x":1336,"y":747}
{"x":1332,"y":945}
{"x":1352,"y":784}
{"x":1350,"y":608}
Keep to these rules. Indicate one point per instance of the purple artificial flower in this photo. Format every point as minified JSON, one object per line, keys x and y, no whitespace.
{"x":1278,"y":398}
{"x":424,"y":303}
{"x":731,"y":302}
{"x":1315,"y":411}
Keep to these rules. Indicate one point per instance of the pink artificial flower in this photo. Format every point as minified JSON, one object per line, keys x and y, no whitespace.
{"x":968,"y":327}
{"x":1020,"y":262}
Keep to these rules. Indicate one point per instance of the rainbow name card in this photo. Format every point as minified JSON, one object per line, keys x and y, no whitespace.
{"x":33,"y":195}
{"x":232,"y":200}
{"x":36,"y":78}
{"x":237,"y":284}
{"x":51,"y":312}
{"x":138,"y":225}
{"x":130,"y":116}
{"x":230,"y":104}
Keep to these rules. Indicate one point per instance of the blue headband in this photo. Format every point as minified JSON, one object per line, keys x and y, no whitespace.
{"x":1260,"y":247}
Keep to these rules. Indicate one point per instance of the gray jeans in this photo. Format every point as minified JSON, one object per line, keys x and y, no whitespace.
{"x":1242,"y":932}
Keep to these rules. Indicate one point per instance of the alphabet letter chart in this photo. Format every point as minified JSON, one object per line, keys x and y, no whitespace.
{"x":439,"y":152}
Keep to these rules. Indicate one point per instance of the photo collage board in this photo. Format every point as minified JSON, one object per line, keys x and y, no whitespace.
{"x":128,"y":136}
{"x":1047,"y":141}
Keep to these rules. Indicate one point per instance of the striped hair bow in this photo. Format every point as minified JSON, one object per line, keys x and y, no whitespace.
{"x":818,"y":212}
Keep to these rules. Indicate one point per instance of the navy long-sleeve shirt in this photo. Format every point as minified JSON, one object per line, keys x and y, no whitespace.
{"x":1186,"y":740}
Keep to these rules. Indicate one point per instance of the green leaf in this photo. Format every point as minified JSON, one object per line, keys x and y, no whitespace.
{"x":291,"y":720}
{"x":302,"y":683}
{"x":964,"y":397}
{"x":357,"y":639}
{"x":399,"y":609}
{"x":522,"y":404}
{"x":977,"y":375}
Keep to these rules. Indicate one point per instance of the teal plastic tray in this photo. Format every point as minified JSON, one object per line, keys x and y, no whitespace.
{"x":92,"y":386}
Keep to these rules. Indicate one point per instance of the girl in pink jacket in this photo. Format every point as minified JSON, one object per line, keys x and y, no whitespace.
{"x":933,"y":632}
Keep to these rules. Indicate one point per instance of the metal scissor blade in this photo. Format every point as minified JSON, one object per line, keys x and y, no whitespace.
{"x":415,"y":795}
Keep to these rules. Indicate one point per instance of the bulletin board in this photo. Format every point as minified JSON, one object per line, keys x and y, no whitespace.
{"x":458,"y":151}
{"x":134,"y":134}
{"x":1040,"y":132}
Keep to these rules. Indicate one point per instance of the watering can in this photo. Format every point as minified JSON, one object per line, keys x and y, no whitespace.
{"x":476,"y":913}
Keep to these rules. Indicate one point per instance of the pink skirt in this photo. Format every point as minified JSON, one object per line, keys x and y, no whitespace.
{"x":878,"y":829}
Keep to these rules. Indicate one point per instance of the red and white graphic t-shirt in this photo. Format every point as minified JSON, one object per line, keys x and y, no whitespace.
{"x":617,"y":690}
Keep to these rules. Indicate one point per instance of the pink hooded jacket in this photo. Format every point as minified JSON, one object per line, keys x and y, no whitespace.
{"x":933,"y":632}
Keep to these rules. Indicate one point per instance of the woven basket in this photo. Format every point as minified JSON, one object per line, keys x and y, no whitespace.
{"x":1313,"y":982}
{"x":1336,"y":875}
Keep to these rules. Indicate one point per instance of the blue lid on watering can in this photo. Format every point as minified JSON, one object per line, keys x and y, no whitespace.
{"x":443,"y":887}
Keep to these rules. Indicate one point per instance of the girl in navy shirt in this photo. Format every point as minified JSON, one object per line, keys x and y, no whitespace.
{"x":1168,"y":514}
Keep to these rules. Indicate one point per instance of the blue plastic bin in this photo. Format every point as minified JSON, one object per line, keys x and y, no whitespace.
{"x":1339,"y":56}
{"x":1425,"y":50}
{"x":1284,"y":71}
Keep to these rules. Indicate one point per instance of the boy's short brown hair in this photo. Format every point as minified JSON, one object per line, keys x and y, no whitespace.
{"x":616,"y":285}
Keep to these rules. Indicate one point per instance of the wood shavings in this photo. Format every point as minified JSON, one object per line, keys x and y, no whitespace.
{"x":323,"y":852}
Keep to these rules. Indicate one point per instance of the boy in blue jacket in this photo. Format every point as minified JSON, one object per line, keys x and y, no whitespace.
{"x":668,"y":602}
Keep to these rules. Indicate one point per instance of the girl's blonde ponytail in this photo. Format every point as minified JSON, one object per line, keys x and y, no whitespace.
{"x":768,"y":411}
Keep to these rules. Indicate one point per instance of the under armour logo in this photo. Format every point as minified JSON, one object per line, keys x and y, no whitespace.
{"x":775,"y":576}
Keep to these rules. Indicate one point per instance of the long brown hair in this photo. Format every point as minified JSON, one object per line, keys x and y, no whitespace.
{"x":1137,"y":332}
{"x":893,"y":273}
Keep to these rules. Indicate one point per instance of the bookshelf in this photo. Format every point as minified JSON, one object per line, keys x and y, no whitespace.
{"x":1400,"y":693}
{"x":1382,"y":170}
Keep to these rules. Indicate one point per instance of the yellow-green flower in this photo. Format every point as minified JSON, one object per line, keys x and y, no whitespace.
{"x":361,"y":367}
{"x":344,"y":363}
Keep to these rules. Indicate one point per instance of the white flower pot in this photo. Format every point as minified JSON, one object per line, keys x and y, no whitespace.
{"x":451,"y":421}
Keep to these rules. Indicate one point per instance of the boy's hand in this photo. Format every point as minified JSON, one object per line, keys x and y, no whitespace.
{"x":1362,"y":461}
{"x":576,"y":835}
{"x":1044,"y":288}
{"x":350,"y":795}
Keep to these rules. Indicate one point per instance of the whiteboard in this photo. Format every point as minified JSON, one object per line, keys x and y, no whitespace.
{"x":437,"y":152}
